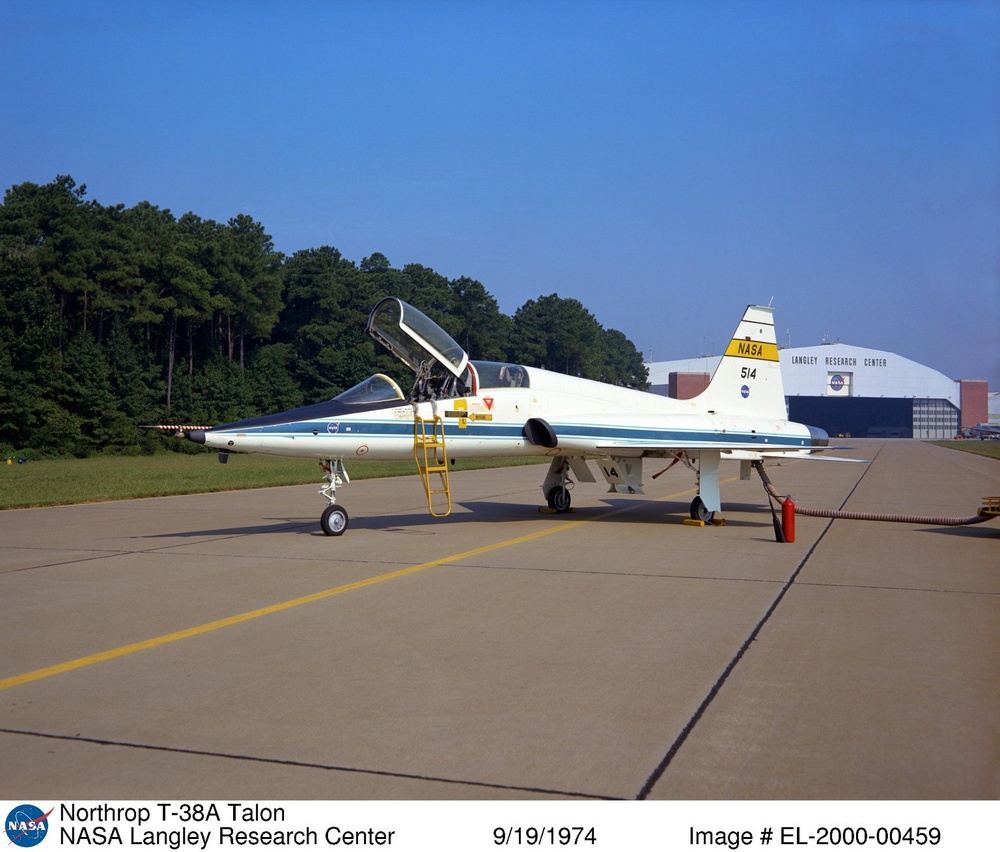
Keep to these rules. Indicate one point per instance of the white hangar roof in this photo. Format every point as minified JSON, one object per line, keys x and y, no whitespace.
{"x":835,"y":369}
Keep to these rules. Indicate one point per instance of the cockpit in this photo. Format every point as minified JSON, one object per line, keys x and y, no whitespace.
{"x":442,"y":368}
{"x":492,"y":374}
{"x":373,"y":390}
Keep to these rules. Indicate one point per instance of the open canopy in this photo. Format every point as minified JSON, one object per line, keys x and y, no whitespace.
{"x":415,"y":338}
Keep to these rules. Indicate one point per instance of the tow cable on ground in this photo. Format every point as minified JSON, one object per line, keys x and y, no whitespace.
{"x":989,"y":510}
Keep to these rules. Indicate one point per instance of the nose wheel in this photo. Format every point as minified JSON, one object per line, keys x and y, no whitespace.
{"x":334,"y":520}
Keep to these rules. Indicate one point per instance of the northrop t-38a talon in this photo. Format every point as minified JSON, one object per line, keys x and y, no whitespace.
{"x":459,"y":408}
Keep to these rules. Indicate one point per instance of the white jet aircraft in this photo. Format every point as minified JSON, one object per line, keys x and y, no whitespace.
{"x":459,"y":408}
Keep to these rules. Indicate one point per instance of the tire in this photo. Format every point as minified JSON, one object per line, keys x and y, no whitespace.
{"x":334,"y":520}
{"x":558,"y":499}
{"x":699,"y":512}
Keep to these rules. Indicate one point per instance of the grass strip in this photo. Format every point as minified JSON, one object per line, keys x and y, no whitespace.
{"x":990,"y":449}
{"x":56,"y":482}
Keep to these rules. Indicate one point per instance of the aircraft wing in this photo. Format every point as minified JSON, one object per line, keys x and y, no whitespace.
{"x":645,"y":435}
{"x":731,"y":451}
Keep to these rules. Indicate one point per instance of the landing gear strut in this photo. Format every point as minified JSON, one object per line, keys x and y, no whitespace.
{"x":705,"y":506}
{"x":334,"y":519}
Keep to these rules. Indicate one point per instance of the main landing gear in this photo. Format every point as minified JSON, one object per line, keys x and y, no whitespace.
{"x":706,"y":472}
{"x":700,"y":512}
{"x":558,"y":499}
{"x":334,"y":519}
{"x":556,"y":486}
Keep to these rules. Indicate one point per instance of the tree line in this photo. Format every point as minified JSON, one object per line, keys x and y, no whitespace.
{"x":112,"y":317}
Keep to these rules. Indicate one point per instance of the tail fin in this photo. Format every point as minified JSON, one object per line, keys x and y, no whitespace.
{"x":748,"y":378}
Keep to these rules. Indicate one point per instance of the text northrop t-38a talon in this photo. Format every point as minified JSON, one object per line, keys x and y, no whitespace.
{"x":459,"y":408}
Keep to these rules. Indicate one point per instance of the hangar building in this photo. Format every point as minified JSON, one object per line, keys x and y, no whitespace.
{"x":852,"y":391}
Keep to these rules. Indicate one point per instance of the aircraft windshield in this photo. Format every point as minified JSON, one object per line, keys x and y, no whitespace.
{"x":414,"y":338}
{"x":377,"y":388}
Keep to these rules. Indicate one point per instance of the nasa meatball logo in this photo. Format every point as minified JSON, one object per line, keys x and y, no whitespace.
{"x":333,"y":428}
{"x":745,"y":391}
{"x":837,"y":382}
{"x":27,"y":826}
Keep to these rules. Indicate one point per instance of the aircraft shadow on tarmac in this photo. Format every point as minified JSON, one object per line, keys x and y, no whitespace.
{"x":418,"y":522}
{"x":986,"y":531}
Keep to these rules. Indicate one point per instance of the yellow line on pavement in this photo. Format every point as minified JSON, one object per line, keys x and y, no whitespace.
{"x":125,"y":650}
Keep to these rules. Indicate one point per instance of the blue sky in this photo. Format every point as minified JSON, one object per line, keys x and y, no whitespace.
{"x":666,"y":163}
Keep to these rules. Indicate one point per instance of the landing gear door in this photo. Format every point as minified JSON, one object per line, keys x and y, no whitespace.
{"x":624,"y":475}
{"x":414,"y":338}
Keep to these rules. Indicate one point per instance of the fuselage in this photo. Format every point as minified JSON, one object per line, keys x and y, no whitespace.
{"x":459,"y":408}
{"x":588,"y":418}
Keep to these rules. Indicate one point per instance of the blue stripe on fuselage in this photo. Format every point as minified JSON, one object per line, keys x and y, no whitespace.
{"x":600,"y":436}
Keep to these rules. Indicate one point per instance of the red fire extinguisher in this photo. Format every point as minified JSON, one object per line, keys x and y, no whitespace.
{"x":788,"y":519}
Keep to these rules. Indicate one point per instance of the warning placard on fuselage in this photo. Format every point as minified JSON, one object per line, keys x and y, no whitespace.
{"x":468,"y":415}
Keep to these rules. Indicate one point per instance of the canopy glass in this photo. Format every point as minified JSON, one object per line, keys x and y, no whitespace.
{"x":415,"y":338}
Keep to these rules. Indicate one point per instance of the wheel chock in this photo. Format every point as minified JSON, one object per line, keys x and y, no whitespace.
{"x":715,"y":522}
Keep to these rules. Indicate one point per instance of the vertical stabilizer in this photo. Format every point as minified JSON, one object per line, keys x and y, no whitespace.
{"x":748,"y":378}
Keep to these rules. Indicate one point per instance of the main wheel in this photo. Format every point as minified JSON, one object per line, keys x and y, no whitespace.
{"x":334,"y":520}
{"x":558,"y":499}
{"x":699,"y":512}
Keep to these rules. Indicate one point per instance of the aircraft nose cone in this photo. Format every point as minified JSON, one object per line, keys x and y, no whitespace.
{"x":198,"y":437}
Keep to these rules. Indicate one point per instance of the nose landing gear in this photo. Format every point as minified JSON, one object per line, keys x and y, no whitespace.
{"x":334,"y":519}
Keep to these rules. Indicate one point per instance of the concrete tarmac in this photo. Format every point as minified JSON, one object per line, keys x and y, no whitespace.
{"x":220,"y":646}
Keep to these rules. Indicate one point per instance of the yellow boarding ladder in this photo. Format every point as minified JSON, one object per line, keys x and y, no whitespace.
{"x":431,"y":458}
